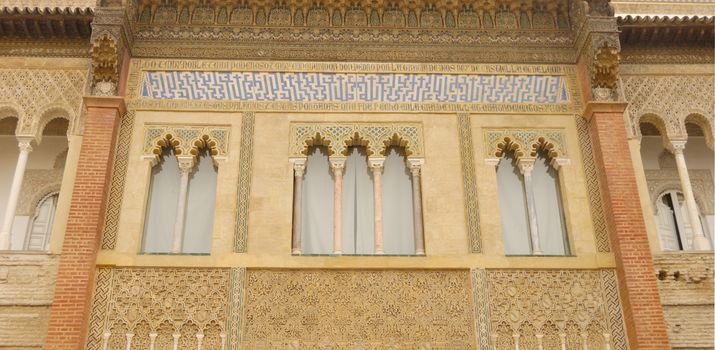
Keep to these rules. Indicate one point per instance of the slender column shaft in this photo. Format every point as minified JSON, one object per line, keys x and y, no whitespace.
{"x":299,"y":171}
{"x":152,"y":340}
{"x":700,"y":242}
{"x":6,"y":229}
{"x":185,"y":166}
{"x":376,"y":165}
{"x":337,"y":165}
{"x":416,"y":169}
{"x":526,"y":166}
{"x":129,"y":336}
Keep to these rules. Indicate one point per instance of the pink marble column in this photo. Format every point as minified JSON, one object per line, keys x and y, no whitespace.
{"x":526,"y":166}
{"x":337,"y":165}
{"x":376,"y":165}
{"x":298,"y":172}
{"x":416,"y":170}
{"x":186,"y":164}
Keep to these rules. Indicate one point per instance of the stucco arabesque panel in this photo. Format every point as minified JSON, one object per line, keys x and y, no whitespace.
{"x":342,"y":309}
{"x":191,"y":303}
{"x":37,"y":95}
{"x":581,"y":305}
{"x":672,"y":98}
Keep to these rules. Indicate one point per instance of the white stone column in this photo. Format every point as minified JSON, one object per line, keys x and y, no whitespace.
{"x":152,"y":340}
{"x":6,"y":228}
{"x":376,"y":165}
{"x":337,"y":165}
{"x":540,"y":341}
{"x":298,"y":172}
{"x":416,"y":170}
{"x":129,"y":336}
{"x":186,"y":164}
{"x":700,"y":242}
{"x":526,"y":166}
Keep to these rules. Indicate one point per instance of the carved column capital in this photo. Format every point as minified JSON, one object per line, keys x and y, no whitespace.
{"x":376,"y":164}
{"x":298,"y":166}
{"x":677,"y":146}
{"x":415,"y":166}
{"x":337,"y":164}
{"x":186,"y":163}
{"x":526,"y":165}
{"x":25,"y":143}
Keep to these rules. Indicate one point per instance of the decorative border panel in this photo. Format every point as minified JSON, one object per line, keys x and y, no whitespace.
{"x":245,"y":169}
{"x":593,"y":185}
{"x":480,"y":291}
{"x":133,"y":303}
{"x":116,"y":186}
{"x":469,"y":183}
{"x":609,"y":285}
{"x":351,"y":87}
{"x":377,"y":135}
{"x":235,"y":313}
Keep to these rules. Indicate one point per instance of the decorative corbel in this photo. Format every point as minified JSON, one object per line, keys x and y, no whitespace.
{"x":604,"y":77}
{"x":105,"y":71}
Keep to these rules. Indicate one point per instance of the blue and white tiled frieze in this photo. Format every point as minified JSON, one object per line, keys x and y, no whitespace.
{"x":354,"y":87}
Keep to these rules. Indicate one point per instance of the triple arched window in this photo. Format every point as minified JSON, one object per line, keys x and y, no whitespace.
{"x":355,"y":204}
{"x":180,"y":208}
{"x":532,"y":214}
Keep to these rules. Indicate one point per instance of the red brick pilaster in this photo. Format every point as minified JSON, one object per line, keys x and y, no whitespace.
{"x":73,"y":289}
{"x":642,"y":309}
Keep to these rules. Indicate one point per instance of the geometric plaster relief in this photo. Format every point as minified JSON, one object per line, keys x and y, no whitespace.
{"x":593,"y":185}
{"x":159,"y":304}
{"x":337,"y":137}
{"x":671,"y":98}
{"x":38,"y":95}
{"x":185,"y":139}
{"x":116,"y":187}
{"x":660,"y":181}
{"x":83,"y":4}
{"x":524,"y":142}
{"x":575,"y":308}
{"x":469,"y":182}
{"x":245,"y":170}
{"x":347,"y":309}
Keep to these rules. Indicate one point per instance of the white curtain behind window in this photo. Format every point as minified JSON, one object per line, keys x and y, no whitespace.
{"x":549,"y":210}
{"x":161,"y":208}
{"x":201,"y":200}
{"x":358,"y":212}
{"x":397,"y":213}
{"x":317,"y":201}
{"x":512,"y":204}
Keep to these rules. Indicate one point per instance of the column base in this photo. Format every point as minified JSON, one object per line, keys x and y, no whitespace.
{"x":701,"y":243}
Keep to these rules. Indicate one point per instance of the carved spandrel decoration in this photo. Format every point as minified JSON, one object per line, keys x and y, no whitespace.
{"x":35,"y":96}
{"x":192,"y":302}
{"x":662,"y":180}
{"x":337,"y":137}
{"x":672,"y":98}
{"x":186,"y":139}
{"x":539,"y":307}
{"x":341,"y":309}
{"x":524,"y":142}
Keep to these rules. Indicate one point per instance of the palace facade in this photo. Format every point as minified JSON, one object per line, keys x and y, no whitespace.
{"x":409,"y":174}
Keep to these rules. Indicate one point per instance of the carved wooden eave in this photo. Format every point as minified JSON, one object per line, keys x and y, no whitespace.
{"x":403,"y":30}
{"x":652,"y":39}
{"x":48,"y":31}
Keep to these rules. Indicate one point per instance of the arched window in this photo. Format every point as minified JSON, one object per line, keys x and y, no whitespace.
{"x":161,"y":209}
{"x":397,"y":211}
{"x":673,"y":223}
{"x":164,"y":230}
{"x":549,"y":209}
{"x":533,"y":220}
{"x":358,"y":206}
{"x":40,"y":228}
{"x":317,"y":204}
{"x":335,"y":200}
{"x":512,"y":204}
